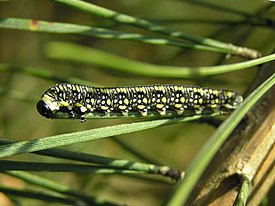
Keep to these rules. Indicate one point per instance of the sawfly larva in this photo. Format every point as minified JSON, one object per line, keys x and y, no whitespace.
{"x":77,"y":101}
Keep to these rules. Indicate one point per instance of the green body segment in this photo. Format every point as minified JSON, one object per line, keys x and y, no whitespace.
{"x":78,"y":101}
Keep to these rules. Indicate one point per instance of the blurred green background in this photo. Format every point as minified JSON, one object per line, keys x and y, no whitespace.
{"x":171,"y":145}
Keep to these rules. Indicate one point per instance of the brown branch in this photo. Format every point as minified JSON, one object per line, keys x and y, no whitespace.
{"x":249,"y":150}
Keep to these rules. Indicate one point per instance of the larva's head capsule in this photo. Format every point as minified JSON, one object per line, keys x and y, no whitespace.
{"x":48,"y":105}
{"x":44,"y":109}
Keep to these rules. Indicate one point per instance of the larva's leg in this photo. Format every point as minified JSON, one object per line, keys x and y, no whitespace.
{"x":82,"y":118}
{"x":72,"y":114}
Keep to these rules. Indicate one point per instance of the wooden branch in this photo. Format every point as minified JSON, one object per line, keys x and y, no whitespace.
{"x":249,"y":151}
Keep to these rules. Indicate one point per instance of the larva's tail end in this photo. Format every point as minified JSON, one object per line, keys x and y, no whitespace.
{"x":238,"y":99}
{"x":234,"y":102}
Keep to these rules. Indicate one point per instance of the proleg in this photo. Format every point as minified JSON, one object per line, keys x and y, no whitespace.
{"x":77,"y":101}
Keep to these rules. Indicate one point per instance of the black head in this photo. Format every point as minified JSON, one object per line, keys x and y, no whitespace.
{"x":44,"y":109}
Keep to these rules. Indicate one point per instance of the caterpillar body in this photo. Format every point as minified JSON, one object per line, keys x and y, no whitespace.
{"x":78,"y":101}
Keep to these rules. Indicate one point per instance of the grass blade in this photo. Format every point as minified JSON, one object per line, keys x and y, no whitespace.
{"x":59,"y":188}
{"x":67,"y":51}
{"x":88,"y":135}
{"x":141,"y":23}
{"x":66,"y":28}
